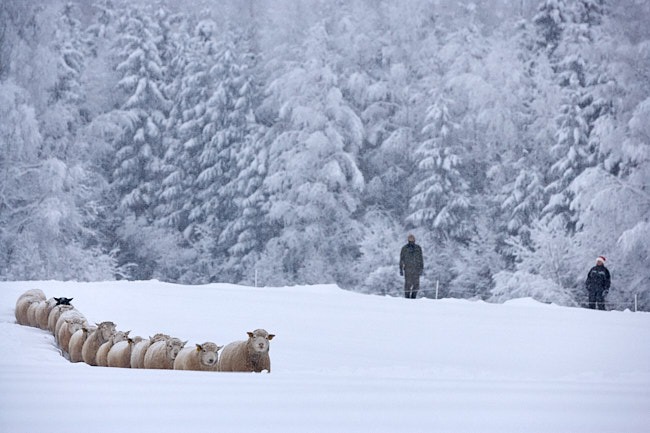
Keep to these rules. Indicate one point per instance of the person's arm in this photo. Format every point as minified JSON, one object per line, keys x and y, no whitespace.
{"x":588,"y":281}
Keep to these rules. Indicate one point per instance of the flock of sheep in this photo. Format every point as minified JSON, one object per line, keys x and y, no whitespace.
{"x":103,"y":345}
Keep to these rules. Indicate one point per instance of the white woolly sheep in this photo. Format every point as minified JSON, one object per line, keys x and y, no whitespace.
{"x":102,"y":353}
{"x":77,"y":341}
{"x":24,"y":301}
{"x":120,"y":353}
{"x":139,"y":350}
{"x":32,"y":293}
{"x":67,"y":316}
{"x":66,"y":330}
{"x":42,"y":314}
{"x":161,"y":354}
{"x":249,"y":355}
{"x":202,"y":358}
{"x":31,"y":313}
{"x":95,"y":339}
{"x":62,"y":305}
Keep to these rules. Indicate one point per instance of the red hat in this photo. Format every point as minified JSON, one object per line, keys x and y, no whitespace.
{"x":601,"y":259}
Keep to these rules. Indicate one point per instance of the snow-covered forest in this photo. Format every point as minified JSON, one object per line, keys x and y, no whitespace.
{"x":299,"y":141}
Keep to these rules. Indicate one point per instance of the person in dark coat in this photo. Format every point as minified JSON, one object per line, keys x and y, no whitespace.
{"x":411,"y":267}
{"x":597,"y":284}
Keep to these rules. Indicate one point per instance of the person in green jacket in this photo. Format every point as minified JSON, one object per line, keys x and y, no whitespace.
{"x":411,"y":267}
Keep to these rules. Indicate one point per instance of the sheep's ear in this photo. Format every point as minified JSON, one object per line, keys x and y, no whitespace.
{"x":250,"y":334}
{"x":57,"y":299}
{"x":126,"y":334}
{"x":198,"y":348}
{"x":271,"y":336}
{"x":219,"y":348}
{"x":184,"y":343}
{"x":97,"y":324}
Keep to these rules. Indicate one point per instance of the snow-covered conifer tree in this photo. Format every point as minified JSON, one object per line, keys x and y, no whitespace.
{"x":440,"y":200}
{"x":136,"y":176}
{"x":550,"y":19}
{"x":246,"y":231}
{"x":578,"y":76}
{"x":313,"y":180}
{"x":185,"y":128}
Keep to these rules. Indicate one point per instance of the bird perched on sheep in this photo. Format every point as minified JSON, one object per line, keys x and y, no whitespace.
{"x":95,"y":339}
{"x":102,"y":353}
{"x":202,"y":358}
{"x":77,"y":341}
{"x":120,"y":353}
{"x":139,"y":350}
{"x":249,"y":355}
{"x":24,"y":301}
{"x":161,"y":354}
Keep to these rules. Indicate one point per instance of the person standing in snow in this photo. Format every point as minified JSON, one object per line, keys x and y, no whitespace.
{"x":411,"y":267}
{"x":597,"y":284}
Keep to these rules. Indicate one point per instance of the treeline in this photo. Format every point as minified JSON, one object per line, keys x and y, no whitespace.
{"x":300,"y":141}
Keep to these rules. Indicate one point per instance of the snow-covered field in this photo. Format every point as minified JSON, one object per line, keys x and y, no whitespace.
{"x":341,"y":361}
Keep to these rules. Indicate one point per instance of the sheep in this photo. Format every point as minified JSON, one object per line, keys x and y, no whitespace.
{"x":67,"y":330}
{"x":139,"y":350}
{"x":95,"y":339}
{"x":32,"y":293}
{"x":31,"y":313}
{"x":77,"y":341}
{"x":249,"y":355}
{"x":120,"y":353}
{"x":24,"y":301}
{"x":62,"y":304}
{"x":43,"y":312}
{"x":137,"y":353}
{"x":203,"y":358}
{"x":102,"y":353}
{"x":67,"y":316}
{"x":161,"y":354}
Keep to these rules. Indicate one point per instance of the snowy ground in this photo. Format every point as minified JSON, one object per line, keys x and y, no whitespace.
{"x":341,"y":361}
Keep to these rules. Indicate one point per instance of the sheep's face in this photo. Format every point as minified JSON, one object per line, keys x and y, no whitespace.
{"x":50,"y":303}
{"x":258,"y":340}
{"x":74,"y":325}
{"x":106,"y":329}
{"x":120,"y":336}
{"x":173,"y":346}
{"x":208,"y":353}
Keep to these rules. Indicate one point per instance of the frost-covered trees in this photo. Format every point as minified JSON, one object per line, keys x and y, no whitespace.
{"x":302,"y":140}
{"x":143,"y":111}
{"x":188,"y":119}
{"x":313,"y":180}
{"x":579,"y":76}
{"x":49,"y":190}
